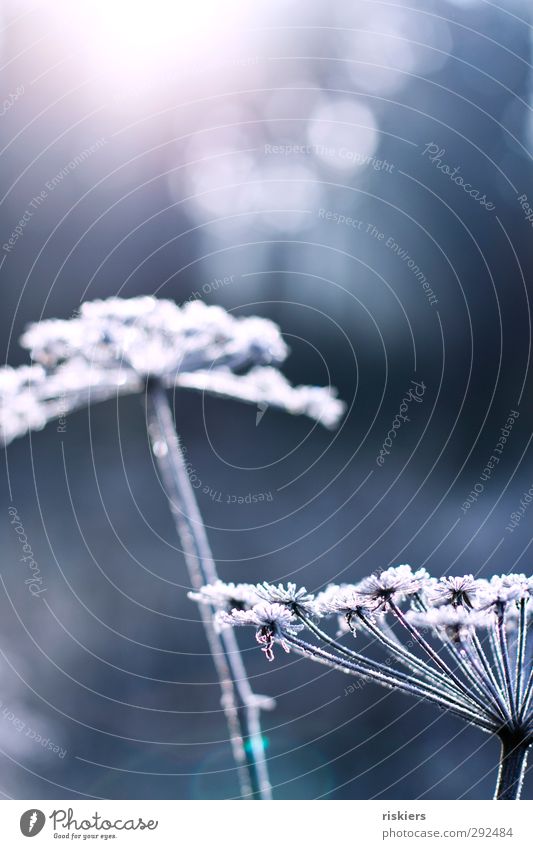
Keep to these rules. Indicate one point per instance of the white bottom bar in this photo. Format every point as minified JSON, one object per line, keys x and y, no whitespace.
{"x":268,"y":825}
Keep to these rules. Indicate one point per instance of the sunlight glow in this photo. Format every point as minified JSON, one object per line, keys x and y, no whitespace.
{"x":142,"y":40}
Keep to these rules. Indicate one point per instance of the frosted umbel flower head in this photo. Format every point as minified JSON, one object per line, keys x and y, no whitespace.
{"x":461,"y":643}
{"x":114,"y":346}
{"x":155,"y":337}
{"x":293,"y":598}
{"x":457,"y":591}
{"x":145,"y":345}
{"x":394,"y":584}
{"x":273,"y":623}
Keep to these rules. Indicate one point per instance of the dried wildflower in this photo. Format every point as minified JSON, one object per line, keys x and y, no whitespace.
{"x":503,"y":589}
{"x":391,"y":585}
{"x":226,"y":596}
{"x":347,"y":604}
{"x":114,"y":346}
{"x":276,"y":616}
{"x":155,"y":337}
{"x":272,"y":621}
{"x":323,"y":598}
{"x":291,"y":597}
{"x":458,"y":591}
{"x":321,"y":606}
{"x":467,"y":649}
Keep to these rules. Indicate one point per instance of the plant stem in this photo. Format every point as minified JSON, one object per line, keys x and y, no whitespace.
{"x":352,"y":668}
{"x":250,"y":758}
{"x":452,"y":696}
{"x":520,"y":654}
{"x":487,"y":668}
{"x":513,"y":759}
{"x":438,"y":661}
{"x":410,"y":660}
{"x":502,"y":642}
{"x":527,"y":695}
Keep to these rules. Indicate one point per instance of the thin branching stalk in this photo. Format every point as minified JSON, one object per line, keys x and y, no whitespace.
{"x":483,"y":682}
{"x":409,"y":659}
{"x":433,"y":655}
{"x":484,"y":693}
{"x":520,"y":653}
{"x":499,"y":667}
{"x":491,"y":678}
{"x":528,"y":693}
{"x":502,"y":643}
{"x":249,"y":755}
{"x":454,"y":695}
{"x":385,"y":680}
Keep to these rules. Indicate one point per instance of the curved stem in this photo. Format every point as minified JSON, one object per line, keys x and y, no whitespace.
{"x":250,"y":759}
{"x":513,"y":760}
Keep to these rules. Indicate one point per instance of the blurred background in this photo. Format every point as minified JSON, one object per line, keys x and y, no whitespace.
{"x":358,"y":171}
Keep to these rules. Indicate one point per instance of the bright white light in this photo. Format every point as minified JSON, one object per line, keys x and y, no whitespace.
{"x":137,"y":40}
{"x":146,"y":25}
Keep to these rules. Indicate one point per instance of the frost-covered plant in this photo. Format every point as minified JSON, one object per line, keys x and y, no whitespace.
{"x":114,"y":347}
{"x":467,"y":644}
{"x":145,"y":345}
